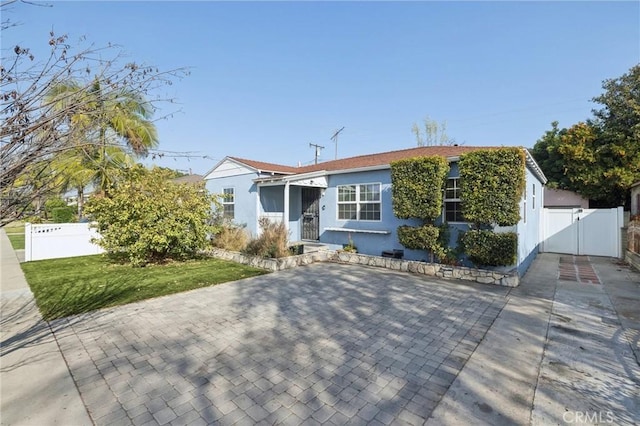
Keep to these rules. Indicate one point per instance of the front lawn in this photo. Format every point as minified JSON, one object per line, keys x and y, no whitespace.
{"x":17,"y":241}
{"x":69,"y":286}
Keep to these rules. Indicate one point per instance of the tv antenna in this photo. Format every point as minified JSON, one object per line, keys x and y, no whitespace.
{"x":318,"y":148}
{"x":335,"y":139}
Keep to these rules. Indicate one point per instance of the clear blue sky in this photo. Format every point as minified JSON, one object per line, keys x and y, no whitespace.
{"x":269,"y":78}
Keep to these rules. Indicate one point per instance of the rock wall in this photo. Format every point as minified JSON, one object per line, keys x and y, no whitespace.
{"x":431,"y":269}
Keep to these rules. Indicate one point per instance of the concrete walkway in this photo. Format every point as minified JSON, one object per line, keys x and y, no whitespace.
{"x":560,"y":352}
{"x":36,"y":387}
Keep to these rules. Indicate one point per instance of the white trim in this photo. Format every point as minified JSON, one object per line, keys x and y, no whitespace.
{"x":237,"y":169}
{"x":534,"y":167}
{"x":227,"y":203}
{"x":358,"y":202}
{"x":358,"y":231}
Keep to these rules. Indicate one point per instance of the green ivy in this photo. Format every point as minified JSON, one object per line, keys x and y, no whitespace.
{"x":417,"y":185}
{"x":491,"y":185}
{"x":487,"y":248}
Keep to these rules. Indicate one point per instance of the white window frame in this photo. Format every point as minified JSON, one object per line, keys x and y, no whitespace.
{"x":226,"y":202}
{"x":451,"y":200}
{"x":524,"y":214}
{"x":533,"y":196}
{"x":358,"y":202}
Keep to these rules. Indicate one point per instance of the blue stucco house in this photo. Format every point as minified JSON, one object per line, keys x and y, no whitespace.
{"x":334,"y":201}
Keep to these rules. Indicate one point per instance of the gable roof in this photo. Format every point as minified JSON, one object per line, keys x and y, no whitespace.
{"x":386,"y":158}
{"x":266,"y":167}
{"x":380,"y":159}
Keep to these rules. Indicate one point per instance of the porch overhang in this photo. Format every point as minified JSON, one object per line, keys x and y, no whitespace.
{"x":312,"y":179}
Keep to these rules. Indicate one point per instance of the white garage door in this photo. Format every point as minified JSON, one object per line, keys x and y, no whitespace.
{"x":594,"y":232}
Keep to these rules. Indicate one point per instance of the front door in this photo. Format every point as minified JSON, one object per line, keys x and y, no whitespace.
{"x":310,"y":213}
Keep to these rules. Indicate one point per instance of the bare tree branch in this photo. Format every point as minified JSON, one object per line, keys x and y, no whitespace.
{"x":34,"y":129}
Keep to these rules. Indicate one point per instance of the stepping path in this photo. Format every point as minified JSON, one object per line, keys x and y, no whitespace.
{"x":577,"y":268}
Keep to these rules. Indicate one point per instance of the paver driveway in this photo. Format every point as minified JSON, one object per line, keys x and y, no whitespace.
{"x":325,"y":343}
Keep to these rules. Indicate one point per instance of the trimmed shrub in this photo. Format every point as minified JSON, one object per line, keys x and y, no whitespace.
{"x":486,"y":248}
{"x":491,"y":185}
{"x":423,"y":237}
{"x":148,"y":219}
{"x":417,"y":185}
{"x":62,"y":214}
{"x":272,"y":242}
{"x":233,"y":238}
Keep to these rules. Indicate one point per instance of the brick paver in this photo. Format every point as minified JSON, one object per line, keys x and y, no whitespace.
{"x":324,"y":344}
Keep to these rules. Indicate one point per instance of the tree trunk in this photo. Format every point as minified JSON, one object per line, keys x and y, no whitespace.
{"x":80,"y":202}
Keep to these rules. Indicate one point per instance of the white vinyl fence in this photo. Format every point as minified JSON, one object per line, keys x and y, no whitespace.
{"x":594,"y":232}
{"x":53,"y":241}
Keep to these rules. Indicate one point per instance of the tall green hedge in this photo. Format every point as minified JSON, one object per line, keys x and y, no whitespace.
{"x":491,"y":186}
{"x":417,"y":187}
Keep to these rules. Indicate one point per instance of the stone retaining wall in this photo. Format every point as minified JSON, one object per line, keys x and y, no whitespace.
{"x":430,"y":269}
{"x":271,"y":264}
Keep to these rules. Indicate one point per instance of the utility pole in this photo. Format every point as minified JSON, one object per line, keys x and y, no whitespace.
{"x":318,"y":148}
{"x":335,"y":139}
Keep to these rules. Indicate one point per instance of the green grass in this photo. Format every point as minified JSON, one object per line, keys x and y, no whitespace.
{"x":17,"y":241}
{"x":14,"y":229}
{"x":64,"y":287}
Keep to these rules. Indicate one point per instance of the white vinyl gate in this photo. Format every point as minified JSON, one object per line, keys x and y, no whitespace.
{"x":594,"y":232}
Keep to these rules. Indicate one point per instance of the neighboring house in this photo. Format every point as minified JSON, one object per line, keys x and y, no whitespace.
{"x":635,"y":199}
{"x":191,"y":179}
{"x":563,"y":199}
{"x":334,"y":201}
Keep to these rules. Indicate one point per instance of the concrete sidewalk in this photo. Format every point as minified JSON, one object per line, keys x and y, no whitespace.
{"x":36,"y":387}
{"x":560,"y":352}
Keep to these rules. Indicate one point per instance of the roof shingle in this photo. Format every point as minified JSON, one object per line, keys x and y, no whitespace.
{"x":360,"y":161}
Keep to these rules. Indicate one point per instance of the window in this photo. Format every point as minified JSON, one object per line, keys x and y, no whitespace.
{"x":452,"y":203}
{"x":524,"y":208}
{"x":228,"y":203}
{"x":533,"y":196}
{"x":359,"y":202}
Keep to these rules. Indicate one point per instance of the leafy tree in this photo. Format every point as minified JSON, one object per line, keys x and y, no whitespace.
{"x":83,"y":166}
{"x":598,"y":158}
{"x":36,"y":128}
{"x":147,"y":218}
{"x":546,"y":154}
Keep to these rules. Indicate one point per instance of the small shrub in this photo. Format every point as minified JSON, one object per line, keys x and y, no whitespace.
{"x":53,"y":203}
{"x":62,"y":214}
{"x":230,"y":237}
{"x":486,"y":248}
{"x":423,"y":237}
{"x":272,"y":242}
{"x":296,"y":250}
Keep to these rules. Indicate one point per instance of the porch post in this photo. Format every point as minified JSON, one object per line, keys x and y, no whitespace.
{"x":285,"y":219}
{"x":258,"y":212}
